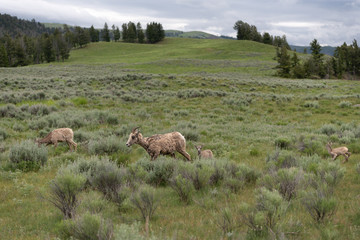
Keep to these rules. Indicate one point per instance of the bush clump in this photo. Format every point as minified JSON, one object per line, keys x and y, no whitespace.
{"x":106,"y":145}
{"x":109,"y":179}
{"x":27,"y":156}
{"x":282,"y":143}
{"x":146,"y":201}
{"x":87,"y":227}
{"x":64,"y":190}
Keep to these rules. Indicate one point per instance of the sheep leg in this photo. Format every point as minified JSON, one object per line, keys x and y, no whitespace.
{"x":73,"y":144}
{"x":185,"y":154}
{"x":69,"y":145}
{"x":335,"y":156}
{"x":155,"y":156}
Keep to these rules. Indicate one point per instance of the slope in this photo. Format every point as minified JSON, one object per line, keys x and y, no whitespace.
{"x":181,"y":55}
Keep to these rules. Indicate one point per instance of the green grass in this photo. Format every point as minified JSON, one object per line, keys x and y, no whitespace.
{"x":222,"y":93}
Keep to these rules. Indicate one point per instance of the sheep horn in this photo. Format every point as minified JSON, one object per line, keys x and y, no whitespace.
{"x":134,"y":129}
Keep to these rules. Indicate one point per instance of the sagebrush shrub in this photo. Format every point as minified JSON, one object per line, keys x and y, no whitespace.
{"x":226,"y":221}
{"x":64,"y":190}
{"x":28,"y":156}
{"x":328,"y":129}
{"x":87,"y":227}
{"x":271,"y":204}
{"x":282,"y":143}
{"x":3,"y":134}
{"x":286,"y":181}
{"x":105,"y":145}
{"x":158,"y":172}
{"x":183,"y":187}
{"x":319,"y":203}
{"x":281,"y":159}
{"x":109,"y":179}
{"x":345,"y":104}
{"x":146,"y":201}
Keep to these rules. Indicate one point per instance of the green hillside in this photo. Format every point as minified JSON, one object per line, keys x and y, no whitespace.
{"x":175,"y":55}
{"x":271,"y":176}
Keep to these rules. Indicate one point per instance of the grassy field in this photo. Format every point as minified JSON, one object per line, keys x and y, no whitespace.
{"x":219,"y":93}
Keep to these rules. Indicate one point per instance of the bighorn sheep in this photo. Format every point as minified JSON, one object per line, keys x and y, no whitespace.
{"x":164,"y":144}
{"x":204,"y":153}
{"x":59,"y":135}
{"x":335,"y":152}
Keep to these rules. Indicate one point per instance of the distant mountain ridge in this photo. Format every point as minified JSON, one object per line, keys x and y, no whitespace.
{"x":328,"y":50}
{"x":193,"y":34}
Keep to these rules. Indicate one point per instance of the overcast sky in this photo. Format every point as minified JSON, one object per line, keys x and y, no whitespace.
{"x":331,"y":22}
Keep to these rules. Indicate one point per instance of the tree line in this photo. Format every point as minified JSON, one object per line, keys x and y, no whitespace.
{"x":39,"y":44}
{"x":344,"y":64}
{"x":249,"y":32}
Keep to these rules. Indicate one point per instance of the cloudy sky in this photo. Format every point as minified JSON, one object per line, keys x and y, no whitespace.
{"x":331,"y":22}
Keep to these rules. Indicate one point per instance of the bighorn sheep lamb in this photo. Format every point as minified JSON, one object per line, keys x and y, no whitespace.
{"x":204,"y":153}
{"x":59,"y":135}
{"x":164,"y":144}
{"x":335,"y":152}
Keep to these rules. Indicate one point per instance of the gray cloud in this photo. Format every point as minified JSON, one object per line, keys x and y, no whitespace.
{"x":332,"y":22}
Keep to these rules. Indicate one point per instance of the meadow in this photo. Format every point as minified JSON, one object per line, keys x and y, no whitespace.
{"x":271,"y":178}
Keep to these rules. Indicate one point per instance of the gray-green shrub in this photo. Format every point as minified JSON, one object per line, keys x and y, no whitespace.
{"x":286,"y":181}
{"x":328,"y":129}
{"x":282,"y":142}
{"x":271,"y":204}
{"x":87,"y":227}
{"x":105,"y":145}
{"x":183,"y":187}
{"x":27,"y":156}
{"x":3,"y":134}
{"x":146,"y":201}
{"x":319,"y":203}
{"x":109,"y":179}
{"x":159,"y":171}
{"x":64,"y":190}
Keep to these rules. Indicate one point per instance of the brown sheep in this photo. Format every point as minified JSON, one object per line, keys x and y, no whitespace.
{"x":335,"y":152}
{"x":164,"y":144}
{"x":204,"y":153}
{"x":59,"y":135}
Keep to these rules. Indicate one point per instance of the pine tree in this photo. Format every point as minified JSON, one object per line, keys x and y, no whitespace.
{"x":124,"y":32}
{"x":94,"y":34}
{"x":106,"y":33}
{"x":316,"y":50}
{"x":283,"y":59}
{"x":140,"y":33}
{"x":4,"y":61}
{"x":117,"y":34}
{"x":154,"y":32}
{"x":131,"y":36}
{"x":48,"y":49}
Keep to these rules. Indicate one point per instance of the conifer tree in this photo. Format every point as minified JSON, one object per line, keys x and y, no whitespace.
{"x":131,"y":36}
{"x":94,"y":34}
{"x":283,"y":59}
{"x":117,"y":34}
{"x":106,"y":33}
{"x":4,"y":61}
{"x":140,"y":33}
{"x":124,"y":32}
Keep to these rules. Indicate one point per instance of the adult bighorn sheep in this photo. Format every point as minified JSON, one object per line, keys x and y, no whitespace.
{"x":335,"y":152}
{"x":59,"y":135}
{"x":164,"y":144}
{"x":204,"y":153}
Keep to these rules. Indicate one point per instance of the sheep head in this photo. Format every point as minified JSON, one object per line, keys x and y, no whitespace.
{"x":198,"y":148}
{"x":133,"y":137}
